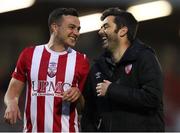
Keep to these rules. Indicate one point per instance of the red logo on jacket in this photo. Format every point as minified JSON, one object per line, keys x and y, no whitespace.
{"x":128,"y":68}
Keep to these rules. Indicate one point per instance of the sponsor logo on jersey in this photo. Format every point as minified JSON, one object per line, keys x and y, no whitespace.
{"x":48,"y":88}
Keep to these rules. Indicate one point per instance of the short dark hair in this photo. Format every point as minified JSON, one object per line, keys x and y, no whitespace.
{"x":56,"y":15}
{"x":122,"y":18}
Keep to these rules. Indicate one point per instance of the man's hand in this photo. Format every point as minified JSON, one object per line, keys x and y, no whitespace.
{"x":72,"y":94}
{"x":101,"y":88}
{"x":12,"y":112}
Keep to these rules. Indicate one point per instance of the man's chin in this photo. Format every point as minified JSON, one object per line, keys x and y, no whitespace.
{"x":105,"y":45}
{"x":71,"y":44}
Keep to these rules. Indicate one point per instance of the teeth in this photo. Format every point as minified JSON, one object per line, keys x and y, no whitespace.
{"x":104,"y":38}
{"x":73,"y":38}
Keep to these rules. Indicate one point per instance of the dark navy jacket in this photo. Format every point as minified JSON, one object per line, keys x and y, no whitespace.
{"x":133,"y":101}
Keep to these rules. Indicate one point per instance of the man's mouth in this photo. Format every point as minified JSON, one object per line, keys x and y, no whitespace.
{"x":74,"y":38}
{"x":104,"y":39}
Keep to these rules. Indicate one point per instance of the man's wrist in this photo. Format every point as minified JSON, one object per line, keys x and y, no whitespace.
{"x":12,"y":101}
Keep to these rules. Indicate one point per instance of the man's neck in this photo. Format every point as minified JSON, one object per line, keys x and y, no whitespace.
{"x":119,"y":52}
{"x":53,"y":45}
{"x":56,"y":48}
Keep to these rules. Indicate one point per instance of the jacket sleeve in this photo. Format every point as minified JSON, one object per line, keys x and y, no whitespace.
{"x":89,"y":116}
{"x":149,"y":93}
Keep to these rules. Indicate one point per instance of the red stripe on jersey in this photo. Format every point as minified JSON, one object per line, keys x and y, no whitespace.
{"x":42,"y":75}
{"x":72,"y":116}
{"x":61,"y":69}
{"x":82,"y":68}
{"x":73,"y":105}
{"x":28,"y":102}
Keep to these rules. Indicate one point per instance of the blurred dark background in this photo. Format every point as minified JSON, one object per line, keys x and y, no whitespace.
{"x":22,"y":28}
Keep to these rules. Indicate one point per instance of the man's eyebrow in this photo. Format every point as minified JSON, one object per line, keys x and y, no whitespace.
{"x":78,"y":27}
{"x":105,"y":24}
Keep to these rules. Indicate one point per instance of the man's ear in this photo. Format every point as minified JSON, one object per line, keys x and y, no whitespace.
{"x":54,"y":27}
{"x":123,"y":31}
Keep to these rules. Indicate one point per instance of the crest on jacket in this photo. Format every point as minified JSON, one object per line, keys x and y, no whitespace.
{"x":128,"y":68}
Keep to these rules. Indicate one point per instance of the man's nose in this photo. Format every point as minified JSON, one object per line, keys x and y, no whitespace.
{"x":100,"y":32}
{"x":76,"y":32}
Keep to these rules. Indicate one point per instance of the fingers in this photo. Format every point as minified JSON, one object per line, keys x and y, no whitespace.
{"x":6,"y":117}
{"x":99,"y":85}
{"x":99,"y":93}
{"x":71,"y":95}
{"x":105,"y":81}
{"x":19,"y":115}
{"x":14,"y":118}
{"x":74,"y":96}
{"x":10,"y":117}
{"x":12,"y":113}
{"x":101,"y":88}
{"x":98,"y":89}
{"x":65,"y":95}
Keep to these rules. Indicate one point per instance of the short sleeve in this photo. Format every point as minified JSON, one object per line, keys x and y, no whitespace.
{"x":83,"y":71}
{"x":20,"y":70}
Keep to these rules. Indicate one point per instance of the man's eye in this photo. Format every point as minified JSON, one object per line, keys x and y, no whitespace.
{"x":106,"y":26}
{"x":71,"y":27}
{"x":78,"y":28}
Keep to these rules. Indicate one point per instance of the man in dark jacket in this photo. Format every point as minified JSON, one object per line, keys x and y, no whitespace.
{"x":124,"y":87}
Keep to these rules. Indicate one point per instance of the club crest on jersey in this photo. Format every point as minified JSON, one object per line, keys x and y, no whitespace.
{"x":52,"y":69}
{"x":128,"y":68}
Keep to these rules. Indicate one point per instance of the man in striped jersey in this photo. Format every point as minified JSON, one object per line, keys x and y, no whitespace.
{"x":55,"y":75}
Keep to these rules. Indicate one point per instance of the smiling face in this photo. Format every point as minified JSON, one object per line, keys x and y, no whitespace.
{"x":108,"y":34}
{"x":66,"y":32}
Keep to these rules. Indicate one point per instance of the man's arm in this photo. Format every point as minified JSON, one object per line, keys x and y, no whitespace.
{"x":74,"y":93}
{"x":11,"y":98}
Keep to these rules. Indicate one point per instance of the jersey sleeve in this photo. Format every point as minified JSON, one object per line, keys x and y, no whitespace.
{"x":20,"y":70}
{"x":83,"y":72}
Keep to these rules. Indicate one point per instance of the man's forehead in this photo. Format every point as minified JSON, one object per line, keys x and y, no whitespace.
{"x":105,"y":21}
{"x":108,"y":19}
{"x":71,"y":19}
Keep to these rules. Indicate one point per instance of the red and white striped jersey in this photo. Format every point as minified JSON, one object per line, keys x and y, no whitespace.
{"x":48,"y":74}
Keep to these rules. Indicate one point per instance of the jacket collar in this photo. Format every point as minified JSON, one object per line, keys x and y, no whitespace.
{"x":130,"y":55}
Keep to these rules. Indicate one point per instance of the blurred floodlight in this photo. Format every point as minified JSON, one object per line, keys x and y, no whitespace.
{"x":151,"y":10}
{"x":11,"y":5}
{"x":90,"y":22}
